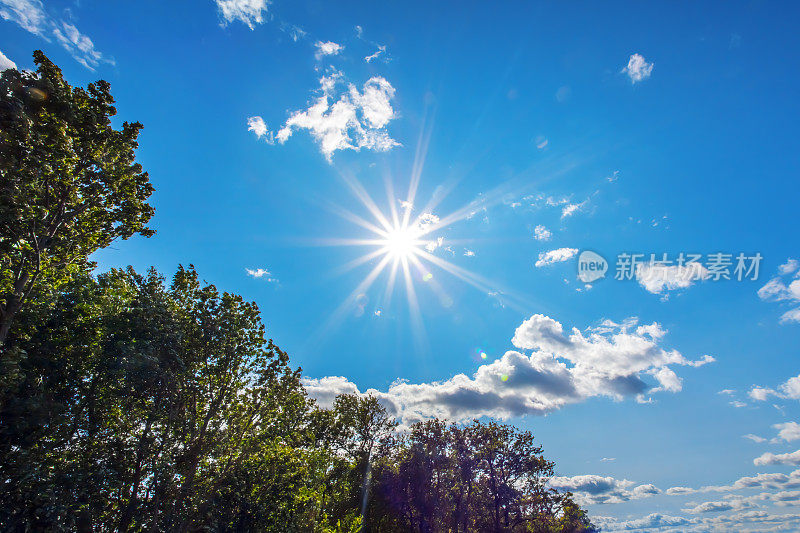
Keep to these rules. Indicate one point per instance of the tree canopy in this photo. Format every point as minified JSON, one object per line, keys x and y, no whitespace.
{"x":69,"y":182}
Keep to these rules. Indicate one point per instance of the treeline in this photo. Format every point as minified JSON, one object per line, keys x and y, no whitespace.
{"x":130,"y":404}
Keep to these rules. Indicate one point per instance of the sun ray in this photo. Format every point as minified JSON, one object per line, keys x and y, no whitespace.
{"x":420,"y":156}
{"x":362,"y":194}
{"x":417,"y":326}
{"x":358,"y":261}
{"x":338,"y":315}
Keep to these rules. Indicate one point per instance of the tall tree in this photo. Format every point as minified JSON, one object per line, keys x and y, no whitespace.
{"x":69,"y":182}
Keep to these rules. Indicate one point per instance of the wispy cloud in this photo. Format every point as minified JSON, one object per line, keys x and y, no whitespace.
{"x":261,"y":273}
{"x":570,"y":209}
{"x":380,"y":51}
{"x":250,"y":12}
{"x":31,"y":16}
{"x":782,"y":289}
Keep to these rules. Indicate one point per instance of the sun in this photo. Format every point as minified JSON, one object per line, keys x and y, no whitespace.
{"x":406,"y":247}
{"x":402,"y":243}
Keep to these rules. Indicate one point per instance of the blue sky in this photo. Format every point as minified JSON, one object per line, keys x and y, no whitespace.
{"x":541,"y":130}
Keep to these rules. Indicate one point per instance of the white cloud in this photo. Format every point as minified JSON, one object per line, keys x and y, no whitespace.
{"x":777,"y":290}
{"x":541,"y":233}
{"x":570,"y":209}
{"x":259,"y":127}
{"x":638,"y":69}
{"x":261,"y":273}
{"x":433,"y":244}
{"x":590,"y":489}
{"x":651,"y":521}
{"x":792,"y":315}
{"x":788,"y":431}
{"x":6,"y":63}
{"x":250,"y":12}
{"x":79,"y":46}
{"x":791,"y":265}
{"x":750,"y":521}
{"x":790,"y":390}
{"x":349,"y":120}
{"x":328,"y":48}
{"x":381,"y":50}
{"x":556,"y":256}
{"x":295,"y":32}
{"x":468,"y":253}
{"x":657,"y":278}
{"x":560,"y":369}
{"x":30,"y":15}
{"x":720,"y":506}
{"x":324,"y":390}
{"x":792,"y":458}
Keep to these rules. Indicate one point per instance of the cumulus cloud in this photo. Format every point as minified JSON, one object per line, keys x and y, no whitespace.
{"x":651,"y":521}
{"x":327,"y":48}
{"x":792,"y":458}
{"x":6,"y":63}
{"x":31,"y":16}
{"x":556,"y":256}
{"x":590,"y":489}
{"x":751,"y":520}
{"x":722,"y":505}
{"x":560,"y":369}
{"x":657,"y":278}
{"x":638,"y":69}
{"x":541,"y":233}
{"x":781,"y":289}
{"x":261,"y":273}
{"x":250,"y":12}
{"x":788,"y":431}
{"x":346,"y":120}
{"x":788,"y":390}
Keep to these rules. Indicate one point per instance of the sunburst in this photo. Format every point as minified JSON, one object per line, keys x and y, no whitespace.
{"x":402,"y":242}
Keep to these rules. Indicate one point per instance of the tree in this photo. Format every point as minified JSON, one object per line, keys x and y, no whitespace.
{"x":139,"y":406}
{"x":460,"y":478}
{"x":69,"y":182}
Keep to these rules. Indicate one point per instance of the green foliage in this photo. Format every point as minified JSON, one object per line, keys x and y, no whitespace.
{"x":144,"y":406}
{"x":69,"y":183}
